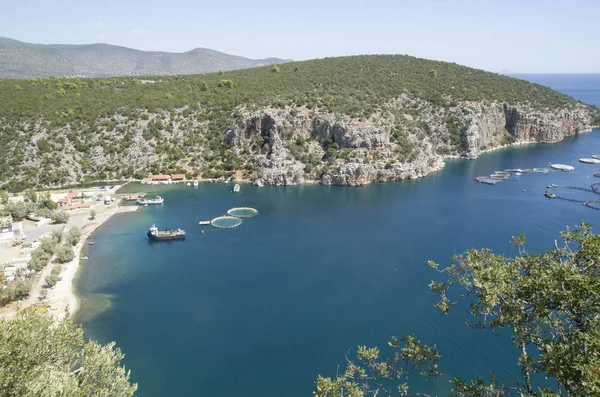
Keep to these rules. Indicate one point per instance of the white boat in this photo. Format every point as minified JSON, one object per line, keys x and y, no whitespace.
{"x":195,"y":183}
{"x":188,"y":184}
{"x":157,"y":200}
{"x":236,"y":188}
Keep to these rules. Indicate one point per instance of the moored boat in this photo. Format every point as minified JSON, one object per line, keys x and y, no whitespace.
{"x":167,"y":234}
{"x":155,"y":201}
{"x":236,"y":188}
{"x":195,"y":183}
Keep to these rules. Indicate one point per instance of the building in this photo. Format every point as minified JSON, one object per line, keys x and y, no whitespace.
{"x":161,"y":178}
{"x":68,"y":199}
{"x":178,"y":177}
{"x":6,"y":236}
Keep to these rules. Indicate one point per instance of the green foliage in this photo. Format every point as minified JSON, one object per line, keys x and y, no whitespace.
{"x":73,"y":236}
{"x":39,"y":357}
{"x":225,"y":83}
{"x":65,"y":254}
{"x":433,"y":73}
{"x":92,"y":214}
{"x":15,"y":291}
{"x":275,"y":69}
{"x":52,"y":278}
{"x":59,"y":217}
{"x":370,"y":374}
{"x":549,"y":301}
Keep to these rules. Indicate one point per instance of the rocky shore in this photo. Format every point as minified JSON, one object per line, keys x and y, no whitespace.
{"x":295,"y":146}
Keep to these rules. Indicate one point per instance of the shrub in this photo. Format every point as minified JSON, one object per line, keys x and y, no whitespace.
{"x":65,"y":254}
{"x":59,"y":217}
{"x":73,"y":236}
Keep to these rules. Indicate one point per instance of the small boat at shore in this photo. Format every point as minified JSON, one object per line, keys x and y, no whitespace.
{"x":155,"y":201}
{"x":195,"y":183}
{"x":236,"y":188}
{"x":91,"y":242}
{"x":164,"y":235}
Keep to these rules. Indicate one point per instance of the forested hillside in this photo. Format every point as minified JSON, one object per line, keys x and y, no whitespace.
{"x":310,"y":119}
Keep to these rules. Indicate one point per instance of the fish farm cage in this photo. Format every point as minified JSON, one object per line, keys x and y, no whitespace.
{"x":242,"y":212}
{"x":226,"y":222}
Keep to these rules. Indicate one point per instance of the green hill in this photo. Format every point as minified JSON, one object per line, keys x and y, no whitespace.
{"x":347,"y":120}
{"x":25,"y":60}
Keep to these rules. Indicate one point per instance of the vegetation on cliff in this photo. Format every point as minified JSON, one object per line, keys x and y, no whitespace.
{"x":88,"y":129}
{"x":549,"y":302}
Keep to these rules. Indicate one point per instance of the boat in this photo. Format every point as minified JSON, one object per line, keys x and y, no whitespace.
{"x":596,"y":156}
{"x":188,"y":184}
{"x":195,"y":183}
{"x":167,"y":234}
{"x":204,"y":223}
{"x":236,"y":188}
{"x":550,"y":186}
{"x":157,"y":200}
{"x":550,"y":195}
{"x":133,"y":197}
{"x":91,"y":243}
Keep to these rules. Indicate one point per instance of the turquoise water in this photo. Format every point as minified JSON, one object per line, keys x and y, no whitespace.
{"x":261,"y":309}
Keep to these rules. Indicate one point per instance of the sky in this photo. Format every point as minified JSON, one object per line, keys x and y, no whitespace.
{"x":506,"y":36}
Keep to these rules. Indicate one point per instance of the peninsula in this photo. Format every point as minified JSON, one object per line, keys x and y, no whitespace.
{"x":342,"y":121}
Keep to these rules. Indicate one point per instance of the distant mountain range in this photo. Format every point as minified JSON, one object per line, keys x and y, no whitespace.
{"x":26,"y":60}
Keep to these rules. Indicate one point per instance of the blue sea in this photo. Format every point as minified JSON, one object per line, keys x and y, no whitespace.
{"x":262,"y":309}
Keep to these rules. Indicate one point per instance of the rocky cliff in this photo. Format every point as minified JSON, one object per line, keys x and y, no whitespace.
{"x":408,"y":139}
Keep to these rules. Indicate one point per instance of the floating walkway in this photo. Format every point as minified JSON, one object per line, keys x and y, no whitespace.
{"x":594,"y":189}
{"x":562,"y":167}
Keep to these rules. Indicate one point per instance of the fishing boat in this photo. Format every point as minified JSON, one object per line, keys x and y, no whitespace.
{"x":155,"y":201}
{"x":167,"y":234}
{"x":550,"y":186}
{"x":550,"y":195}
{"x":236,"y":188}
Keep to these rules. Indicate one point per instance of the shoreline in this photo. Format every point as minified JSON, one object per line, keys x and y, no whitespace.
{"x":63,"y":296}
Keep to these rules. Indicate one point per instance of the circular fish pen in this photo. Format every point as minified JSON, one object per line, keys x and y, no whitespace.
{"x":562,"y":167}
{"x":226,"y":222}
{"x":589,"y":160}
{"x":242,"y":212}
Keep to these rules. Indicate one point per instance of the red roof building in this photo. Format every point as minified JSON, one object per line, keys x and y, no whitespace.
{"x":177,"y":177}
{"x":160,"y":177}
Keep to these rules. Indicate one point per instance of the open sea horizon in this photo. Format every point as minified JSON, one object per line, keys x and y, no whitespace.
{"x":262,"y":309}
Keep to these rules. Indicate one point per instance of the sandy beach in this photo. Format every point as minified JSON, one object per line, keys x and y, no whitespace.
{"x":63,"y":297}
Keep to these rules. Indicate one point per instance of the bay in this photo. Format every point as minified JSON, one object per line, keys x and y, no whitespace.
{"x":262,"y":309}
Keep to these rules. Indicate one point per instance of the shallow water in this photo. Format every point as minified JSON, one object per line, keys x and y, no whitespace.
{"x":261,"y":309}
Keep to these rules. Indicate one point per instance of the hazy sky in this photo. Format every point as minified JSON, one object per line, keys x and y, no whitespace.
{"x":497,"y":35}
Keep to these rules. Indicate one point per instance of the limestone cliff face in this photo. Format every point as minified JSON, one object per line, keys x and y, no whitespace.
{"x":407,"y":139}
